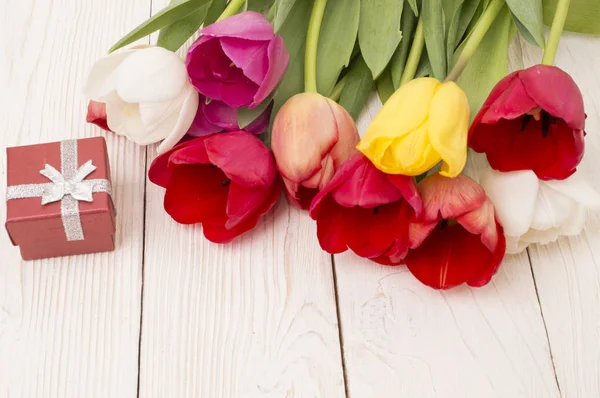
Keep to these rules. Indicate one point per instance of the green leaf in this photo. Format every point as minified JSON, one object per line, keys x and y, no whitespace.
{"x":336,"y":41}
{"x":293,"y":33}
{"x":583,"y":17}
{"x":424,"y":68}
{"x":174,"y":36}
{"x":379,"y":32}
{"x":215,"y":11}
{"x":467,"y":14}
{"x":527,"y":15}
{"x":246,"y":115}
{"x":359,"y":86}
{"x":489,"y":63}
{"x":398,"y":62}
{"x":385,"y":86}
{"x":434,"y":31}
{"x":259,"y":5}
{"x":177,"y":10}
{"x":414,"y":7}
{"x":458,"y":26}
{"x":284,"y":7}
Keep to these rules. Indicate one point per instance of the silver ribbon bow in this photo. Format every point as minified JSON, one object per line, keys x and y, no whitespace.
{"x":68,"y":187}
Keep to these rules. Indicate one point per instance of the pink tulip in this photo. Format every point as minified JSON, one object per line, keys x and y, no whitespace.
{"x":238,"y":60}
{"x":312,"y":137}
{"x":217,"y":116}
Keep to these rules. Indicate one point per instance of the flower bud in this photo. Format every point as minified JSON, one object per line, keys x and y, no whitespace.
{"x":422,"y":123}
{"x":312,"y":136}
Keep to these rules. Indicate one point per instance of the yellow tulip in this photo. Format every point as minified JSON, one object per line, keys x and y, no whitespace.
{"x":423,"y":123}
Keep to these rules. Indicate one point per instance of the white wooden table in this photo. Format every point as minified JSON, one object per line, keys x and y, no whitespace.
{"x":169,"y":314}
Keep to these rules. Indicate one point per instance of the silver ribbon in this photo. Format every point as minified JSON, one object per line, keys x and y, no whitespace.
{"x":69,"y":187}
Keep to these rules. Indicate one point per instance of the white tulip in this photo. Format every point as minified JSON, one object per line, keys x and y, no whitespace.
{"x":536,"y":211}
{"x":147,"y":94}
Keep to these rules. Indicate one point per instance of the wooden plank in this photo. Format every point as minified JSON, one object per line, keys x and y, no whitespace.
{"x":402,"y":339}
{"x":69,"y":327}
{"x":567,"y":273}
{"x":253,"y":318}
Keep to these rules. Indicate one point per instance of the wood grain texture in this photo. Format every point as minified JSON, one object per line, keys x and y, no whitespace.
{"x":567,"y":272}
{"x":69,"y":327}
{"x":253,"y":318}
{"x":402,"y":339}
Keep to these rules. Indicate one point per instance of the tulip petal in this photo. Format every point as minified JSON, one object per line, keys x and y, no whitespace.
{"x":511,"y":104}
{"x":449,"y":198}
{"x":102,"y":79}
{"x":185,"y":118}
{"x":124,"y":119}
{"x":201,"y":126}
{"x":404,"y":112}
{"x":152,"y":74}
{"x":556,"y":92}
{"x":552,"y":209}
{"x":220,"y":114}
{"x":245,"y":203}
{"x":449,"y":126}
{"x":196,"y":194}
{"x":411,"y":154}
{"x":237,"y":94}
{"x":449,"y":257}
{"x":247,"y":25}
{"x":331,"y":227}
{"x":189,"y":153}
{"x":365,"y":186}
{"x":243,"y":158}
{"x":578,"y":189}
{"x":278,"y":61}
{"x":514,"y":195}
{"x":250,"y":56}
{"x":304,"y":131}
{"x":159,"y":172}
{"x":261,"y":123}
{"x":482,"y":221}
{"x":96,"y":114}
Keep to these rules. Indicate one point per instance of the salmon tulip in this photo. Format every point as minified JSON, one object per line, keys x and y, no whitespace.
{"x":312,"y":136}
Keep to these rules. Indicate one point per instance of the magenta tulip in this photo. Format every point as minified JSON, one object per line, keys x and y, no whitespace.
{"x":238,"y":60}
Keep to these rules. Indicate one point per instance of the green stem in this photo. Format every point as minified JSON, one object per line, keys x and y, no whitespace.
{"x":483,"y":25}
{"x":336,"y":94}
{"x":414,"y":57}
{"x":558,"y":24}
{"x":231,"y":9}
{"x":312,"y":43}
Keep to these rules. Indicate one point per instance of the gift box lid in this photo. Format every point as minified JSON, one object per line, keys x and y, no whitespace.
{"x":28,"y":220}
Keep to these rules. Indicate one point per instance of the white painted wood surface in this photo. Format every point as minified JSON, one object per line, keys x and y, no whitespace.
{"x":69,"y":327}
{"x":172,"y":315}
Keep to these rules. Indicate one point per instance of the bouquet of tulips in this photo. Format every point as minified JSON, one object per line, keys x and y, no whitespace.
{"x":266,"y":100}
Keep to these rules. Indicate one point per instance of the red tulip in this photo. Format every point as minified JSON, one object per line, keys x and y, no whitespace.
{"x":367,"y":211}
{"x":96,"y":114}
{"x":312,"y":137}
{"x":532,"y":120}
{"x":225,"y":181}
{"x":458,"y":238}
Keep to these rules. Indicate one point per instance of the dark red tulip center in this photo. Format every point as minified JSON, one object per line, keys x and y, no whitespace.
{"x":539,"y":115}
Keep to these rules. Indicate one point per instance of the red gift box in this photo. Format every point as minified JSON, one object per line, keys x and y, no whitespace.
{"x":59,"y":198}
